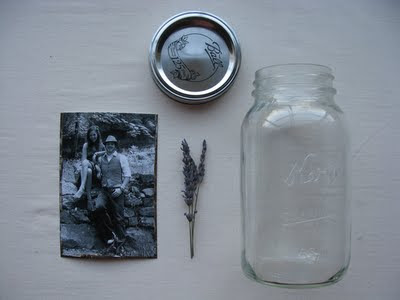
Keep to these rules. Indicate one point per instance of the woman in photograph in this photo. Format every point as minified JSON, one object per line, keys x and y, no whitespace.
{"x":90,"y":151}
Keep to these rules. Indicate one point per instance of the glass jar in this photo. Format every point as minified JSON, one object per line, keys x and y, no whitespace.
{"x":294,"y":179}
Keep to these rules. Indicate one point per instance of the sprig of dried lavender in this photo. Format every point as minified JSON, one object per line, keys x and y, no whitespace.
{"x":202,"y":167}
{"x":201,"y":171}
{"x":190,"y":184}
{"x":193,"y":176}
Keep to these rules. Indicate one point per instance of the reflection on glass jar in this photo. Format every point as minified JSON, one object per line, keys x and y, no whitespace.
{"x":294,"y":173}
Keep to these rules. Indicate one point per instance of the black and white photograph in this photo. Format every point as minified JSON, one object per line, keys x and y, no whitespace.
{"x":108,"y":199}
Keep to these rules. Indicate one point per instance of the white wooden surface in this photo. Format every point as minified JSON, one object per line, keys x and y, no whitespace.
{"x":80,"y":55}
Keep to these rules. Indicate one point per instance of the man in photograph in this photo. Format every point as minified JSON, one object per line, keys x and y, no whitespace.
{"x":109,"y":205}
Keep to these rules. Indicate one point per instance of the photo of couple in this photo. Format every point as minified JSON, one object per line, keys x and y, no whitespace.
{"x":108,"y":187}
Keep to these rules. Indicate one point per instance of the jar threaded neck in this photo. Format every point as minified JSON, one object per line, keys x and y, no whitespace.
{"x":293,"y":81}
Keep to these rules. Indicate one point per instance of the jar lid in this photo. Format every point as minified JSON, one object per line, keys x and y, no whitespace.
{"x":194,"y":57}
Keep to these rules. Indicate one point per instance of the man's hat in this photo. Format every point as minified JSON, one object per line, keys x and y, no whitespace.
{"x":111,"y":139}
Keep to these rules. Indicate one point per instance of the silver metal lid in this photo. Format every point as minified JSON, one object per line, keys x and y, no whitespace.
{"x":194,"y":57}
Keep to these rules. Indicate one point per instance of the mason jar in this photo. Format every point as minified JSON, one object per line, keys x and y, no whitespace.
{"x":295,"y":179}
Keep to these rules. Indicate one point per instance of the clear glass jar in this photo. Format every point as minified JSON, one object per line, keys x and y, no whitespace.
{"x":294,"y":179}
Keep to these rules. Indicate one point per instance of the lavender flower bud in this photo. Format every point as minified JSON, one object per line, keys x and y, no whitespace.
{"x":189,"y":217}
